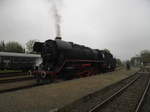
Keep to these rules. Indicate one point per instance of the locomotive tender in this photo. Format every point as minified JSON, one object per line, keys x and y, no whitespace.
{"x":68,"y":60}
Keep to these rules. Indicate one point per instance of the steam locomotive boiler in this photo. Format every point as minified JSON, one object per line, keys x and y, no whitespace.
{"x":68,"y":60}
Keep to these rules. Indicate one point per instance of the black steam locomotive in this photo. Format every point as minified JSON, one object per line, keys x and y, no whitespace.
{"x":68,"y":60}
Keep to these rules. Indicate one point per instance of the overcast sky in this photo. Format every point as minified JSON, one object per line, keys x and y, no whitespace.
{"x":123,"y":26}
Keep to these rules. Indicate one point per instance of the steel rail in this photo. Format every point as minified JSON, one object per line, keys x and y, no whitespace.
{"x":143,"y":97}
{"x":99,"y":105}
{"x":12,"y":74}
{"x":16,"y":79}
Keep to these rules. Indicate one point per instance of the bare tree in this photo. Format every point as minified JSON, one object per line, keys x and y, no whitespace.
{"x":29,"y":45}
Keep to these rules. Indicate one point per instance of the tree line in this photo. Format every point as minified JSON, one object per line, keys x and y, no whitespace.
{"x":13,"y":46}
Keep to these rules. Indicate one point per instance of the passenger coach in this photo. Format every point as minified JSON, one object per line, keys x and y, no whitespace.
{"x":18,"y":61}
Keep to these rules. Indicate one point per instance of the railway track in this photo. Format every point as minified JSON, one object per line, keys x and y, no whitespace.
{"x":144,"y":102}
{"x":16,"y":81}
{"x":13,"y":82}
{"x":12,"y":74}
{"x":8,"y":87}
{"x":125,"y":99}
{"x":14,"y":77}
{"x":125,"y":96}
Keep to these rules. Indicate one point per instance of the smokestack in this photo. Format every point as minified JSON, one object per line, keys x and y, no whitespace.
{"x":58,"y":38}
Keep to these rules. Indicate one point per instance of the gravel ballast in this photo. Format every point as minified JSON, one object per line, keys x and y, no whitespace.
{"x":146,"y":103}
{"x":56,"y":95}
{"x":128,"y":99}
{"x":91,"y":100}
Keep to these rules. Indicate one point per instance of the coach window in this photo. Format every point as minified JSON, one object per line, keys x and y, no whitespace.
{"x":13,"y":59}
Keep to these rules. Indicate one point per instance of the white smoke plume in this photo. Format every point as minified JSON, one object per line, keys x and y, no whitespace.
{"x":56,"y":8}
